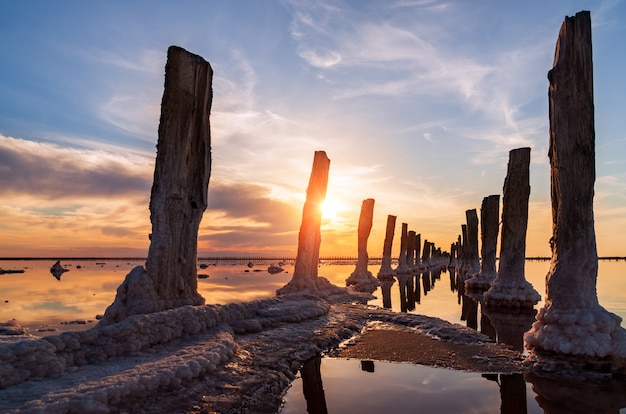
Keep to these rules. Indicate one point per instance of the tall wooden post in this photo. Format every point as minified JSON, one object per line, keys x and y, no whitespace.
{"x":510,"y":289}
{"x":402,"y":267}
{"x":386,"y":271}
{"x":179,"y":194}
{"x":361,"y":278}
{"x":309,"y":239}
{"x":489,"y":223}
{"x":572,"y":321}
{"x":472,"y":243}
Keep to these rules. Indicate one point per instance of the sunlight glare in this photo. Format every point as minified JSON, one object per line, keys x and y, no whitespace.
{"x":330,"y":209}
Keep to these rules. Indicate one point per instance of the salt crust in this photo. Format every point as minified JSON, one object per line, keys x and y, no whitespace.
{"x":592,"y":332}
{"x":261,"y":343}
{"x":511,"y":293}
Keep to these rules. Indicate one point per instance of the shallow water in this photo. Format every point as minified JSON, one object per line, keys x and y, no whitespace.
{"x":40,"y":302}
{"x":353,"y":386}
{"x":37,"y":300}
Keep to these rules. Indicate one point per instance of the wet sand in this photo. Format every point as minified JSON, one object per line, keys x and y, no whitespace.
{"x":401,"y":345}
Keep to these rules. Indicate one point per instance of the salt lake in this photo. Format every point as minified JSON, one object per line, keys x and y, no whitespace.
{"x":45,"y":305}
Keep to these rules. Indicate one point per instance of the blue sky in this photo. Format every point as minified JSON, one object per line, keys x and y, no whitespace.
{"x":417,"y":104}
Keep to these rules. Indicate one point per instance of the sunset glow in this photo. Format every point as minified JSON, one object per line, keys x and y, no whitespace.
{"x":416,"y":104}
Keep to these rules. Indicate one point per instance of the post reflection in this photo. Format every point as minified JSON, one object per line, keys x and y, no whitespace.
{"x":426,"y":282}
{"x":558,"y":396}
{"x":312,"y":386}
{"x":513,"y":394}
{"x":385,"y":288}
{"x":418,"y":289}
{"x":506,"y":326}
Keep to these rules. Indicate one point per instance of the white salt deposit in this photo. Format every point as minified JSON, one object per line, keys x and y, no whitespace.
{"x":514,"y":293}
{"x":237,"y":355}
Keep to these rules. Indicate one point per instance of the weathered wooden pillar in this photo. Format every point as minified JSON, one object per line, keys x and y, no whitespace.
{"x":426,"y":254}
{"x":361,"y":278}
{"x":309,"y":239}
{"x":489,"y":223}
{"x":572,"y":321}
{"x":181,"y":178}
{"x":473,"y":262}
{"x":179,"y":193}
{"x":402,"y":267}
{"x":410,"y":250}
{"x":386,"y":271}
{"x":461,"y":267}
{"x":418,"y":245}
{"x":452,"y":257}
{"x":510,"y":289}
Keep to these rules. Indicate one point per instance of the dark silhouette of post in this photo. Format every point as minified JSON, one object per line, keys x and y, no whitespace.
{"x":362,"y":279}
{"x":489,"y":223}
{"x":472,"y":242}
{"x":386,"y":271}
{"x":312,"y":386}
{"x":309,"y":239}
{"x":572,"y":321}
{"x":402,"y":267}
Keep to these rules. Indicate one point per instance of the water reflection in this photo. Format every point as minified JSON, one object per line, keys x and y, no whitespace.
{"x":575,"y":397}
{"x":353,"y":386}
{"x":312,"y":386}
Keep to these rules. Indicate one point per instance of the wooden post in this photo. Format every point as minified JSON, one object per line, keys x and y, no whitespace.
{"x":386,"y":271}
{"x":510,"y":288}
{"x":472,"y":243}
{"x":361,"y":278}
{"x":489,"y":223}
{"x":309,"y":239}
{"x":402,"y":267}
{"x":572,"y":321}
{"x":179,"y":194}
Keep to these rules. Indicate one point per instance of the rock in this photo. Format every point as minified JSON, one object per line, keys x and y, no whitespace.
{"x":57,"y":270}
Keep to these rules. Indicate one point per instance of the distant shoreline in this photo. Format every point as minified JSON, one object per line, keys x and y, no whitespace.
{"x":250,"y":258}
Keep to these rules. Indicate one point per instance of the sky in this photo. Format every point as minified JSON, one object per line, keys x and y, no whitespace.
{"x":417,"y":103}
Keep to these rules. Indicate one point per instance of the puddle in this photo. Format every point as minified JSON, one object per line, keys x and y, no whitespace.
{"x":331,"y":385}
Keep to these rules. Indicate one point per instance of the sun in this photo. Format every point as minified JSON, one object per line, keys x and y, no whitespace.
{"x":330,"y":209}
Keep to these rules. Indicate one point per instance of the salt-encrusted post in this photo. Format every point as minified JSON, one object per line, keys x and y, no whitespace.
{"x":386,"y":271}
{"x":473,"y":261}
{"x":309,"y":239}
{"x":461,"y":266}
{"x":402,"y":267}
{"x":361,"y":278}
{"x":426,"y":254}
{"x":410,"y":250}
{"x":489,"y":222}
{"x":179,"y":194}
{"x":418,"y":245}
{"x":572,"y":321}
{"x":510,"y":289}
{"x":181,"y":178}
